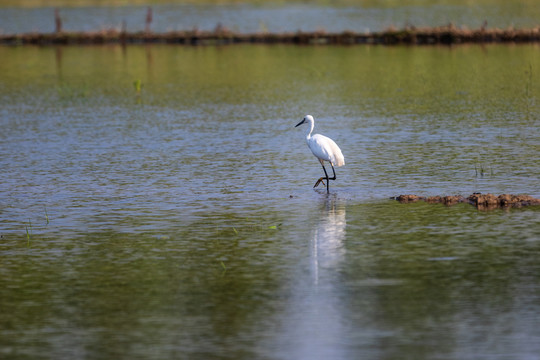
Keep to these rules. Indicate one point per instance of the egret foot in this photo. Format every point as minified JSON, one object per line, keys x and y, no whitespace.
{"x":321,"y":180}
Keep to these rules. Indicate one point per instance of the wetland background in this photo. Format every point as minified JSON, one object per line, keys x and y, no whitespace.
{"x":157,"y":202}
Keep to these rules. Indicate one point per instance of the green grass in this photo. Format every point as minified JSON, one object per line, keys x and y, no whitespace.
{"x":137,"y":84}
{"x":480,"y":169}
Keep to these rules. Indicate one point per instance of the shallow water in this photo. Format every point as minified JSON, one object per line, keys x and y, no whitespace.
{"x":263,"y":16}
{"x":181,"y":221}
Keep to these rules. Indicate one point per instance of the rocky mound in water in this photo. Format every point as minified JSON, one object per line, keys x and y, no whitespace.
{"x":481,"y":201}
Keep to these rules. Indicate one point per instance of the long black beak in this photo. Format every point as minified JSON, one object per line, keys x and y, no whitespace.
{"x":301,"y":122}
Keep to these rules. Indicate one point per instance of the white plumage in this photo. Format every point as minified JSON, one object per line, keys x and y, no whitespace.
{"x":324,"y":148}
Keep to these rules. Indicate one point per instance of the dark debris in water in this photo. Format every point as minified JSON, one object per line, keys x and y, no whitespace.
{"x":481,"y":201}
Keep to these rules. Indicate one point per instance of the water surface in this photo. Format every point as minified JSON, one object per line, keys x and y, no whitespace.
{"x":263,"y":16}
{"x":180,"y":221}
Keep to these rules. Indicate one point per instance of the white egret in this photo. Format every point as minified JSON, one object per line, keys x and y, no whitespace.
{"x":324,"y":149}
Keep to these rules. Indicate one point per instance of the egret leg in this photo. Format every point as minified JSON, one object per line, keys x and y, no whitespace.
{"x":334,"y":171}
{"x":329,"y":178}
{"x":321,"y":180}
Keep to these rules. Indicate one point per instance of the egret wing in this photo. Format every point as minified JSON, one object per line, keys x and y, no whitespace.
{"x":326,"y":149}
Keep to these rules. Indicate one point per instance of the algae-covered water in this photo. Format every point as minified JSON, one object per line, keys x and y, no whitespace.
{"x":157,"y":202}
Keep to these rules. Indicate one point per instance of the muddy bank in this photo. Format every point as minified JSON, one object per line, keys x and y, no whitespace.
{"x":221,"y":36}
{"x":481,"y":201}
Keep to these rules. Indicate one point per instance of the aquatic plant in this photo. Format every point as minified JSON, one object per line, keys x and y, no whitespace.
{"x":68,"y":92}
{"x":28,"y":233}
{"x":148,"y":20}
{"x":482,"y":170}
{"x":224,"y":268}
{"x":57,"y":21}
{"x":137,"y":84}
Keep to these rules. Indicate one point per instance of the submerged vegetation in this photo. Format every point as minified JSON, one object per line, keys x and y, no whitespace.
{"x":28,"y":232}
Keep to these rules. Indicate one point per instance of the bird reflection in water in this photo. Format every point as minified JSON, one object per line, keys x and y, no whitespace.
{"x":316,"y":324}
{"x":327,"y":249}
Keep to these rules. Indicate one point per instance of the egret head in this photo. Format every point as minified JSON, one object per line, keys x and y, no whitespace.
{"x":306,"y":119}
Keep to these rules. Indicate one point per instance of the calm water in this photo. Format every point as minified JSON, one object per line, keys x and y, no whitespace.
{"x":358,"y":16}
{"x":180,"y":222}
